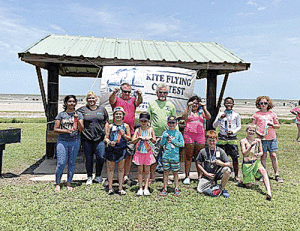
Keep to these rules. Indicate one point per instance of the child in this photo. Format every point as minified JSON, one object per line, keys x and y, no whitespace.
{"x":230,"y":124}
{"x":143,"y":156}
{"x":267,"y":122}
{"x":252,"y":169}
{"x":172,"y":140}
{"x":214,"y":164}
{"x":296,"y":112}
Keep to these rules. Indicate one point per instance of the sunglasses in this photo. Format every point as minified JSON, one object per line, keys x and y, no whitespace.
{"x":263,"y":103}
{"x":171,"y":122}
{"x":126,"y":92}
{"x":163,"y":92}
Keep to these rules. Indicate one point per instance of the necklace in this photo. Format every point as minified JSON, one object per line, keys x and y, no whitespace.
{"x":211,"y":155}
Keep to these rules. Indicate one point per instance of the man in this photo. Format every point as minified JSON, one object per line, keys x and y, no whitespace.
{"x":129,"y":104}
{"x":159,"y":110}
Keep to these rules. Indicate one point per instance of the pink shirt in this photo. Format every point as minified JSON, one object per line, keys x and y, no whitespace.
{"x":262,"y":118}
{"x":195,"y":124}
{"x":297,"y":110}
{"x":129,"y":108}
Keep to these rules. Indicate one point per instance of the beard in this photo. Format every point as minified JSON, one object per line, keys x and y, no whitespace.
{"x":162,"y":98}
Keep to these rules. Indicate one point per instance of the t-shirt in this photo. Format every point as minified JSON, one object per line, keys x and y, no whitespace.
{"x":195,"y":124}
{"x":171,"y":152}
{"x":262,"y":119}
{"x":94,"y":123}
{"x":67,"y":122}
{"x":297,"y":110}
{"x":129,"y":108}
{"x":159,"y":112}
{"x":208,"y":159}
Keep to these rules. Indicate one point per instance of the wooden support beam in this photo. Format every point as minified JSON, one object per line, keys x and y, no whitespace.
{"x":222,"y":91}
{"x":52,"y":109}
{"x":211,"y":97}
{"x":42,"y":89}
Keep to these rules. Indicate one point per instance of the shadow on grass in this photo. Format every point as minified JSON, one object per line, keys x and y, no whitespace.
{"x":34,"y":166}
{"x":9,"y":175}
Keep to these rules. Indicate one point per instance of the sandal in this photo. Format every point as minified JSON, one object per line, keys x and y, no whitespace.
{"x":278,"y":179}
{"x":70,"y":188}
{"x":111,"y":192}
{"x":269,"y":197}
{"x":57,"y":188}
{"x":122,"y":192}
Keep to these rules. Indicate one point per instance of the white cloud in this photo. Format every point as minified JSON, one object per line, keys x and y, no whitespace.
{"x":57,"y":28}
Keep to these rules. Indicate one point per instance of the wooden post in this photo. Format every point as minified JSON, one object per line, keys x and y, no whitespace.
{"x":52,"y":106}
{"x":42,"y":89}
{"x":211,"y":97}
{"x":222,"y":91}
{"x":2,"y":148}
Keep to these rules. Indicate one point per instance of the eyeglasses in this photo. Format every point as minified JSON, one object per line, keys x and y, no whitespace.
{"x":163,"y":92}
{"x":126,"y":91}
{"x":263,"y":103}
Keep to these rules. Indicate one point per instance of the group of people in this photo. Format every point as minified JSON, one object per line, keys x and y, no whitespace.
{"x":155,"y":144}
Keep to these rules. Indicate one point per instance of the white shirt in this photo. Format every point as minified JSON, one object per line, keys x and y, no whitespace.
{"x":233,"y":121}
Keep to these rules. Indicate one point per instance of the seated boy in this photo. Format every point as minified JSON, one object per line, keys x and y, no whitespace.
{"x":252,"y":168}
{"x":214,"y":164}
{"x":172,"y":140}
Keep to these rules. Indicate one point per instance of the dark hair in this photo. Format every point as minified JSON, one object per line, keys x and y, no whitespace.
{"x":66,"y":99}
{"x":299,"y":102}
{"x":229,"y":98}
{"x":195,"y":97}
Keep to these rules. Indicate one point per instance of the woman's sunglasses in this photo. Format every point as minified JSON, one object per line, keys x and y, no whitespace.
{"x":263,"y":103}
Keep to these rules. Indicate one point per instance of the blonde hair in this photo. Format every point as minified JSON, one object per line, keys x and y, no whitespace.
{"x":253,"y":126}
{"x":91,"y":93}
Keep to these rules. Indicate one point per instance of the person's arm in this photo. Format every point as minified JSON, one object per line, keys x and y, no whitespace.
{"x":80,"y":123}
{"x":217,"y":121}
{"x":139,"y":98}
{"x":153,"y":137}
{"x":205,"y":173}
{"x":126,"y":134}
{"x":107,"y":133}
{"x":238,"y":124}
{"x":179,"y":142}
{"x":112,"y":97}
{"x":187,"y":111}
{"x":164,"y":138}
{"x":260,"y":149}
{"x":135,"y":137}
{"x":244,"y":149}
{"x":205,"y":111}
{"x":223,"y":164}
{"x":294,"y":112}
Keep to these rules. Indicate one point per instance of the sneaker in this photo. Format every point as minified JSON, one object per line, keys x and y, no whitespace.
{"x":186,"y":181}
{"x":146,"y":192}
{"x":122,"y":192}
{"x":89,"y":181}
{"x":268,"y":197}
{"x":163,"y":192}
{"x":225,"y":193}
{"x":111,"y":192}
{"x":140,"y":192}
{"x":177,"y":193}
{"x":278,"y":179}
{"x":98,"y":179}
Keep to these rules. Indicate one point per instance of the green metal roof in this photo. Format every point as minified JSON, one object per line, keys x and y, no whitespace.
{"x":75,"y":52}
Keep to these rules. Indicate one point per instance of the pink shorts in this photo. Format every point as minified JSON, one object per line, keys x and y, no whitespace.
{"x":143,"y":158}
{"x":190,"y":138}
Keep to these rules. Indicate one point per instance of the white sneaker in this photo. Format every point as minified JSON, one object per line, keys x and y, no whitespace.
{"x":140,"y":192}
{"x":146,"y":192}
{"x":98,"y":179}
{"x":187,"y":181}
{"x":89,"y":181}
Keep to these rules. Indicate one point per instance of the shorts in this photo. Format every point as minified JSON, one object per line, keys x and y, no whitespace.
{"x":231,"y":150}
{"x":170,"y":165}
{"x":270,"y":145}
{"x":205,"y":183}
{"x":250,"y":171}
{"x":190,"y":138}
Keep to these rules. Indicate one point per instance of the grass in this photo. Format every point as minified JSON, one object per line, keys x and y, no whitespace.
{"x":35,"y":206}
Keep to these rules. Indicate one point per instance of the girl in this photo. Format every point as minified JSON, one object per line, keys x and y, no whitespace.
{"x":116,"y":137}
{"x":296,"y":112}
{"x":143,"y":156}
{"x":267,"y":122}
{"x":251,"y":149}
{"x":194,"y":135}
{"x":67,"y":124}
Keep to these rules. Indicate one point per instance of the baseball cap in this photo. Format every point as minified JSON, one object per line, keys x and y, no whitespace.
{"x":172,"y":119}
{"x":119,"y":109}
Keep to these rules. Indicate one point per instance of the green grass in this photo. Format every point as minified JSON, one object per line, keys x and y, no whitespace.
{"x":35,"y":206}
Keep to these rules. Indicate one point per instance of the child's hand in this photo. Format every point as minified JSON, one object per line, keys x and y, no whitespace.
{"x":122,"y":132}
{"x":270,"y":124}
{"x":223,"y":115}
{"x":113,"y":143}
{"x":253,"y":143}
{"x":210,"y":176}
{"x":170,"y":138}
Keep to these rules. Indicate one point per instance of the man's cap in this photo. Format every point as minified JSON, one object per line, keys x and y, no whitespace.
{"x":171,"y":119}
{"x":144,"y":116}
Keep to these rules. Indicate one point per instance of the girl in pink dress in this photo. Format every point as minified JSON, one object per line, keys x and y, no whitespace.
{"x":144,"y":137}
{"x":296,"y":112}
{"x":194,"y":134}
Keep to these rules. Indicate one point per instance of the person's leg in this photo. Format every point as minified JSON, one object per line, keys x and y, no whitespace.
{"x":147,"y":175}
{"x":110,"y":173}
{"x":166,"y":178}
{"x":87,"y":149}
{"x":61,"y":154}
{"x":127,"y":166}
{"x":298,"y":135}
{"x":152,"y":172}
{"x":140,"y":176}
{"x":274,"y":160}
{"x":99,"y":151}
{"x":159,"y":166}
{"x":74,"y":147}
{"x":120,"y":166}
{"x":175,"y":174}
{"x":226,"y":174}
{"x":197,"y":149}
{"x":189,"y":151}
{"x":264,"y":173}
{"x":264,"y":159}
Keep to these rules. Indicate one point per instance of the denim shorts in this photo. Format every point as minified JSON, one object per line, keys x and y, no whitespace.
{"x":270,"y":145}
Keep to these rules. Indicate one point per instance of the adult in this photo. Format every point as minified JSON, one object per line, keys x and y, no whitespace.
{"x":116,"y":137}
{"x":95,"y":118}
{"x":194,"y":134}
{"x":296,"y":111}
{"x":159,"y":110}
{"x":68,"y":124}
{"x":129,"y":104}
{"x":267,"y":122}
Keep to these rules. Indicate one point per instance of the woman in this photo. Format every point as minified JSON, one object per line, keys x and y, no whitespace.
{"x":194,"y":135}
{"x":95,"y":118}
{"x":267,"y":122}
{"x":116,"y":137}
{"x":296,"y":111}
{"x":68,"y":124}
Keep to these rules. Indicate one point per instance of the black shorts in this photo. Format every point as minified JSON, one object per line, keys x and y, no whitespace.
{"x":231,"y":150}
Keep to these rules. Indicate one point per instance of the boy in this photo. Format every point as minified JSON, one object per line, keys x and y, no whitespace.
{"x":172,"y":140}
{"x":252,"y":168}
{"x":214,"y":164}
{"x":230,"y":124}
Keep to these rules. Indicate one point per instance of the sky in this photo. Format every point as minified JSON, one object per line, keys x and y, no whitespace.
{"x":265,"y":33}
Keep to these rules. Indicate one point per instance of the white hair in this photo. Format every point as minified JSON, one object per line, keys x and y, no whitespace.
{"x":161,"y":85}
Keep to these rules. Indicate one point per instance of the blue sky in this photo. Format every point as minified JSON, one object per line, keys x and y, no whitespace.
{"x":265,"y":33}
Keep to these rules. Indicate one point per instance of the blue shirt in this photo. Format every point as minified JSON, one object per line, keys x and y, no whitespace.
{"x":171,"y":152}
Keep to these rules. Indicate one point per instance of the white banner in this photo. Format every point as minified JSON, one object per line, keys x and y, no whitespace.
{"x":180,"y":81}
